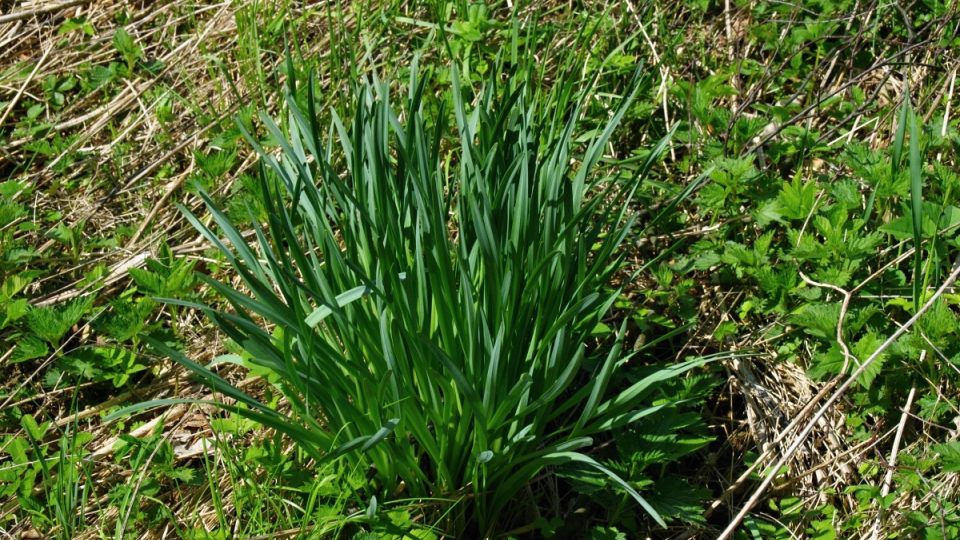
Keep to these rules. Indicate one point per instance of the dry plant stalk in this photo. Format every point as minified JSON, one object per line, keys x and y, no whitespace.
{"x":799,"y":439}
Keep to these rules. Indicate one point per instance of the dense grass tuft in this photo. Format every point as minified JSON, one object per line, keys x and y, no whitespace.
{"x":434,"y":308}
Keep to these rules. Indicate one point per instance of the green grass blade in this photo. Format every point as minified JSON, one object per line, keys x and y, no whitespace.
{"x":916,"y":203}
{"x":576,"y":457}
{"x":340,"y":301}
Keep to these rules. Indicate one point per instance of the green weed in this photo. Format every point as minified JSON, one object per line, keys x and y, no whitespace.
{"x":452,"y":362}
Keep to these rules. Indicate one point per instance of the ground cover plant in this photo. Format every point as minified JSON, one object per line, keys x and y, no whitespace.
{"x":801,"y":211}
{"x":435,"y":311}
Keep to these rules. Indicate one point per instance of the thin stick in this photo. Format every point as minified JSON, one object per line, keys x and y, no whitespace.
{"x":26,"y":83}
{"x":797,"y":418}
{"x":172,"y":186}
{"x":815,"y":399}
{"x":946,"y":113}
{"x":847,"y":355}
{"x":798,"y":441}
{"x":27,"y":13}
{"x":888,"y":478}
{"x":830,"y":462}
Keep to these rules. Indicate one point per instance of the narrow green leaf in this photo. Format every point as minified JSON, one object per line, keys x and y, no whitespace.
{"x":340,"y":301}
{"x":916,"y":202}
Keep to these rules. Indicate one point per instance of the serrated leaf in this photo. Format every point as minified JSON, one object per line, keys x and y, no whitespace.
{"x":17,"y":448}
{"x":674,"y":496}
{"x":949,"y":455}
{"x":216,"y":163}
{"x":52,"y":323}
{"x":29,"y":348}
{"x":125,"y":45}
{"x":819,"y":320}
{"x":15,"y":283}
{"x":15,"y":309}
{"x":181,"y":474}
{"x":147,"y":280}
{"x":827,"y":363}
{"x":125,"y":318}
{"x":111,"y":363}
{"x":34,"y":430}
{"x":862,"y":350}
{"x":797,"y":198}
{"x":10,"y":212}
{"x":769,"y":212}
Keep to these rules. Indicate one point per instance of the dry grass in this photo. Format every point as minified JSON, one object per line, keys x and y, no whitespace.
{"x":125,"y":167}
{"x":766,"y":400}
{"x":121,"y":172}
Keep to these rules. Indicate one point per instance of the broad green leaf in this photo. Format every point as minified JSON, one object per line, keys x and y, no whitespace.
{"x":28,"y":348}
{"x":34,"y":430}
{"x":949,"y":455}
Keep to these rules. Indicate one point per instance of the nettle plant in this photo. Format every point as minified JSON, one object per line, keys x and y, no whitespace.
{"x":433,"y":305}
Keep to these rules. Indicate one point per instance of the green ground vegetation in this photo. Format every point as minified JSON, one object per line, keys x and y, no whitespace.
{"x":463,"y":269}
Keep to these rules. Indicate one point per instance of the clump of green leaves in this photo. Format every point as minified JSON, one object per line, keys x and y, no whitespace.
{"x":434,"y":309}
{"x":50,"y":485}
